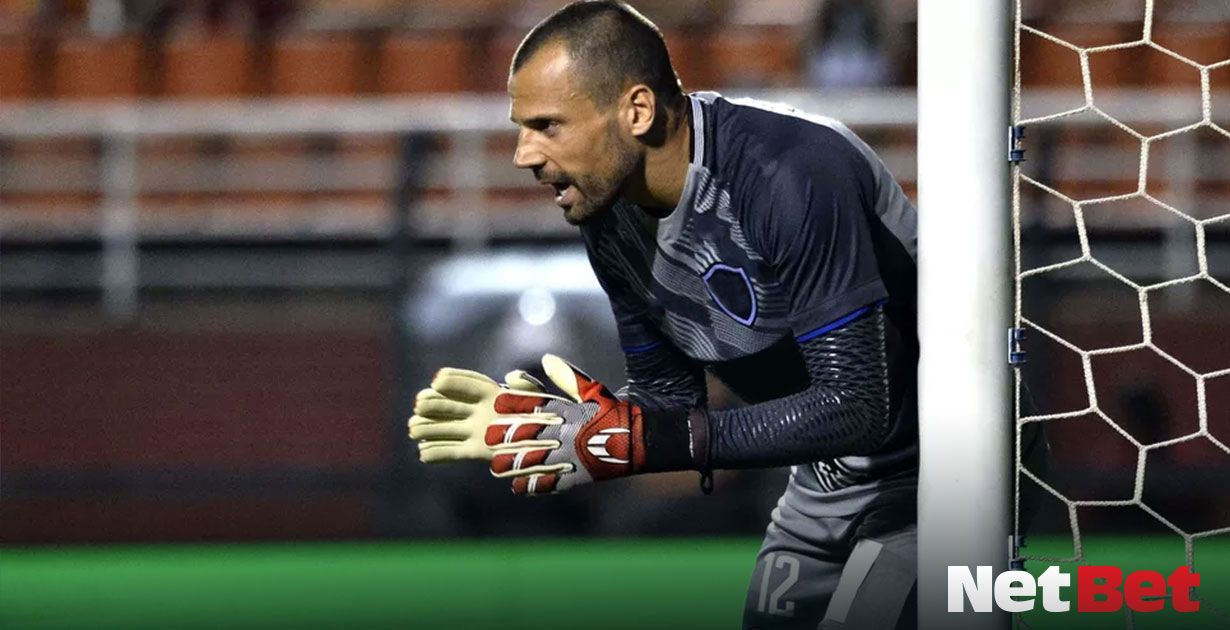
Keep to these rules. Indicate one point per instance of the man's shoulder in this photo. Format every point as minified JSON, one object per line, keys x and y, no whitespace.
{"x":772,"y":143}
{"x":768,"y":116}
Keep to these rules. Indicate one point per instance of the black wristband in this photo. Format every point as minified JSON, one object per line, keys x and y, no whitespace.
{"x":702,"y":447}
{"x":668,"y":443}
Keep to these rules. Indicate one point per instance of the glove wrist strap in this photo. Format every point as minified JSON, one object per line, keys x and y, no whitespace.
{"x":678,"y":439}
{"x":667,"y":440}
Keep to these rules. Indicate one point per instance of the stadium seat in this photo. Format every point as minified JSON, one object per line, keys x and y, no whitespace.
{"x":498,"y":50}
{"x":1044,"y":62}
{"x":688,"y":14}
{"x":315,"y":65}
{"x":1219,"y":82}
{"x":270,"y":186}
{"x":689,"y":54}
{"x":457,"y":14}
{"x":423,"y":62}
{"x":755,"y":57}
{"x":14,"y":69}
{"x":1204,"y":44}
{"x":94,"y":67}
{"x":205,"y":67}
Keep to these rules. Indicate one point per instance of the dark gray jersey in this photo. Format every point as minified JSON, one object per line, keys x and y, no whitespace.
{"x":788,"y":227}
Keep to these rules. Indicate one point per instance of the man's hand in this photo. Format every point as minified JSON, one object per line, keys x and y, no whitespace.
{"x":458,"y":418}
{"x":544,"y":442}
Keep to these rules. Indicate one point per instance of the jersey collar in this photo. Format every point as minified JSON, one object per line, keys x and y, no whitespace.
{"x":671,"y":226}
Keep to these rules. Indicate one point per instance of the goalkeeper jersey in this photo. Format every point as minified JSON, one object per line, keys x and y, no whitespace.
{"x":788,"y":226}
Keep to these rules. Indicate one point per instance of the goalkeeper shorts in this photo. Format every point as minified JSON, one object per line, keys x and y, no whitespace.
{"x":838,"y":572}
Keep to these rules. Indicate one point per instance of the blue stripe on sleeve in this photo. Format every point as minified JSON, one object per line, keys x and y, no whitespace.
{"x":639,"y":349}
{"x":838,"y":323}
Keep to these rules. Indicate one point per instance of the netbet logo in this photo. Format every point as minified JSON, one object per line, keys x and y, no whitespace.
{"x":1097,"y":590}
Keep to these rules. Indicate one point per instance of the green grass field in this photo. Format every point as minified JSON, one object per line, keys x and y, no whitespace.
{"x":682,"y":583}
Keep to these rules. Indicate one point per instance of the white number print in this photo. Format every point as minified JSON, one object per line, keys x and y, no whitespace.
{"x":773,"y":604}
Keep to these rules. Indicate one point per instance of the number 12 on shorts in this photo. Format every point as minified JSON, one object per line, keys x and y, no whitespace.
{"x":772,"y":603}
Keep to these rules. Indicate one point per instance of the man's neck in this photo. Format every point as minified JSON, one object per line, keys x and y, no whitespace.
{"x":666,"y":167}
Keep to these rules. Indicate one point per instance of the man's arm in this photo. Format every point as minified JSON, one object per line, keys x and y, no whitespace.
{"x":661,"y":377}
{"x":665,"y":384}
{"x":547,"y":443}
{"x":845,"y":411}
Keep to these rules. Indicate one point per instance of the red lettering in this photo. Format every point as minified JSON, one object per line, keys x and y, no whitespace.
{"x":1088,"y":590}
{"x":1181,"y":582}
{"x":1134,"y":591}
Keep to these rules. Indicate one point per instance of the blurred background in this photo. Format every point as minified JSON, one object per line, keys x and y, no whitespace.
{"x":236,"y":237}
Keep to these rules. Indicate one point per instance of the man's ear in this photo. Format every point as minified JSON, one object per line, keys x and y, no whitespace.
{"x":639,"y":109}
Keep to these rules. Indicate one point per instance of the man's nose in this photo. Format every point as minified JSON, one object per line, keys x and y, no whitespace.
{"x":526,"y":155}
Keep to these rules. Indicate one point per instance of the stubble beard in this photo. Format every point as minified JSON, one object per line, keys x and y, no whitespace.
{"x":601,"y":192}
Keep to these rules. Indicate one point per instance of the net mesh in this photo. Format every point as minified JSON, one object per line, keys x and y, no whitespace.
{"x":1088,"y":356}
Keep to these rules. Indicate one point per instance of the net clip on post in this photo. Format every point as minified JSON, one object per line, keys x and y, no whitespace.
{"x":1016,"y":348}
{"x":1016,"y":154}
{"x":1015,"y":561}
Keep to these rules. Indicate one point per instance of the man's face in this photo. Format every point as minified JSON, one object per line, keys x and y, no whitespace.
{"x":565,"y":139}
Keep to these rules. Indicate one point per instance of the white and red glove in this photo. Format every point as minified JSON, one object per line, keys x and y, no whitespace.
{"x":543,"y":442}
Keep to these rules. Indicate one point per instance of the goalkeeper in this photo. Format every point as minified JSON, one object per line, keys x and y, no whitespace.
{"x":770,"y":248}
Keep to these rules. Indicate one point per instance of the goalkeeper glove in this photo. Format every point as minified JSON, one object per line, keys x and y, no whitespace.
{"x":544,"y":442}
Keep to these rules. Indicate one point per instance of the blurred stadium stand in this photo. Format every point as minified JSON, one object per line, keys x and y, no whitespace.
{"x":235,"y":237}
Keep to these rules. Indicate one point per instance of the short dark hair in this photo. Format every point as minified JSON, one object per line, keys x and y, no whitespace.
{"x":612,"y":46}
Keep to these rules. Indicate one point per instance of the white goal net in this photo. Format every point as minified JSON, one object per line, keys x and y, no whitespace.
{"x":1128,"y":239}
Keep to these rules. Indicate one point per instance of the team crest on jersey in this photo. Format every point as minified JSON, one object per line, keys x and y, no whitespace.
{"x":732,"y":291}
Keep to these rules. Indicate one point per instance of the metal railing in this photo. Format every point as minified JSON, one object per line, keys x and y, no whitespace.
{"x":134,"y":192}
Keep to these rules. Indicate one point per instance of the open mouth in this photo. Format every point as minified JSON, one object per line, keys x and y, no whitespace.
{"x":564,"y":193}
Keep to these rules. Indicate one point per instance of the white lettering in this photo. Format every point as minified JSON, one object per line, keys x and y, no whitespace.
{"x":1012,"y":584}
{"x":961,"y":584}
{"x":1050,"y":581}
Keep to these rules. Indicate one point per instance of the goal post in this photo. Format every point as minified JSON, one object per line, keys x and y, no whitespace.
{"x":964,"y":260}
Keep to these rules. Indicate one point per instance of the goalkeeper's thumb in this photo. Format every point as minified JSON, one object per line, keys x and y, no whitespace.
{"x":566,"y":378}
{"x":576,"y":384}
{"x":522,"y":381}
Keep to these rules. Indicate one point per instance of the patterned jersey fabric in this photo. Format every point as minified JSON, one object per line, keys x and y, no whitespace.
{"x":789,"y":227}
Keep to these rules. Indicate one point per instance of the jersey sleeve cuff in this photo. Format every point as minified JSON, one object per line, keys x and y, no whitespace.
{"x":815,"y":319}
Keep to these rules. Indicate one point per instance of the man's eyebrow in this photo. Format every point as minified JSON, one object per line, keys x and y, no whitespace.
{"x":535,"y":121}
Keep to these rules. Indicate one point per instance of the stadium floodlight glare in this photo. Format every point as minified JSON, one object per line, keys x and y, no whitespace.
{"x":963,"y":274}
